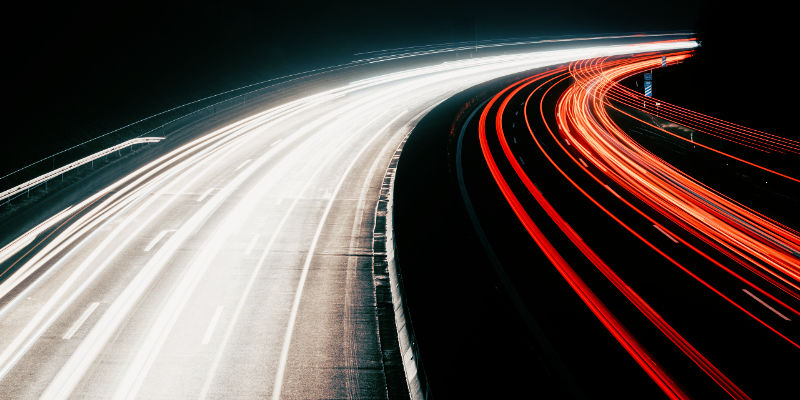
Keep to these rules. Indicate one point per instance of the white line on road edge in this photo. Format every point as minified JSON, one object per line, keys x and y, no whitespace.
{"x":275,"y":142}
{"x":79,"y":322}
{"x":252,"y":244}
{"x":205,"y":194}
{"x":156,"y":239}
{"x":240,"y":305}
{"x":409,"y":364}
{"x":243,"y":164}
{"x":212,"y":325}
{"x":766,"y":305}
{"x":404,"y":338}
{"x":287,"y":339}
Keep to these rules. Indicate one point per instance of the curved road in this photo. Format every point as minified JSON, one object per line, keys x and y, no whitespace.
{"x":700,"y":290}
{"x":237,"y":265}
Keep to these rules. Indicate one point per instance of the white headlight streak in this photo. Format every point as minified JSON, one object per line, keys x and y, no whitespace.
{"x":149,"y":332}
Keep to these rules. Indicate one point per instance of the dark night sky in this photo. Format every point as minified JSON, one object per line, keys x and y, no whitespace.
{"x":79,"y":69}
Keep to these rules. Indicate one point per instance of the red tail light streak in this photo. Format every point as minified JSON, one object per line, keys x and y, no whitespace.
{"x":757,"y":251}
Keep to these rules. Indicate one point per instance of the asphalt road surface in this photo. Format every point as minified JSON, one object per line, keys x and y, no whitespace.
{"x":237,"y":265}
{"x":698,"y":290}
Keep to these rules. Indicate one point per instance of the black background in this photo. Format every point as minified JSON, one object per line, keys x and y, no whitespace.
{"x":76,"y":70}
{"x":743,"y":71}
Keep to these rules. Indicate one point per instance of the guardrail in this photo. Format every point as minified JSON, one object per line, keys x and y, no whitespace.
{"x":161,"y":123}
{"x":170,"y":120}
{"x":167,"y":121}
{"x":42,"y":179}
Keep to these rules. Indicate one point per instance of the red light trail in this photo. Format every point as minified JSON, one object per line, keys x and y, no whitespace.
{"x":763,"y":247}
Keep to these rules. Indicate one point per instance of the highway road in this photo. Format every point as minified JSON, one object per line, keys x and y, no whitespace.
{"x":697,"y":288}
{"x":238,"y":264}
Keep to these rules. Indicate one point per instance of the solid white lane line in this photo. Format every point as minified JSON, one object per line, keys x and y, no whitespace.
{"x":252,"y":244}
{"x":212,"y":325}
{"x":245,"y":294}
{"x":287,"y":339}
{"x":57,"y":303}
{"x":275,"y":142}
{"x":660,"y":229}
{"x":156,"y":239}
{"x":63,"y":383}
{"x":187,"y":167}
{"x":63,"y":240}
{"x":79,"y":322}
{"x":240,"y":304}
{"x":46,"y":315}
{"x":149,"y":349}
{"x":85,"y":223}
{"x":243,"y":164}
{"x":58,"y":300}
{"x":204,"y":195}
{"x":766,"y":305}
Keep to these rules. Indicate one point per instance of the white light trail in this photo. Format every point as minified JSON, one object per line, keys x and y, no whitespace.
{"x":295,"y":151}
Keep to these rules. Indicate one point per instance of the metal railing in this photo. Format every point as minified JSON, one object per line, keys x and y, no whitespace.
{"x":42,"y":179}
{"x":160,"y":124}
{"x":168,"y":121}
